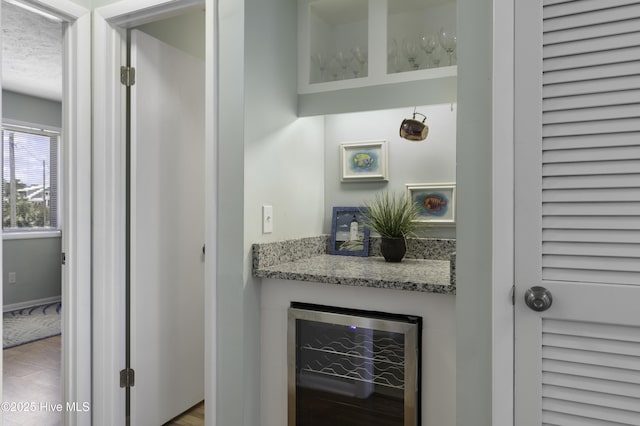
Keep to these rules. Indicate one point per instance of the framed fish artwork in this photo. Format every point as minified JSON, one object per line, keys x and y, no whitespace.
{"x":437,"y":202}
{"x":364,"y":161}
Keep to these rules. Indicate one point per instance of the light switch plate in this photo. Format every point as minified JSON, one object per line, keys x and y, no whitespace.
{"x":267,"y":219}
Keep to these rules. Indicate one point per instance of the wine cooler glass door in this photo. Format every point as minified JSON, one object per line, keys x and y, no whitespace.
{"x":352,"y":370}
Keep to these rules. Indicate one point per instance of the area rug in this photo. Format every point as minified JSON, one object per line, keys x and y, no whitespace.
{"x":30,"y":324}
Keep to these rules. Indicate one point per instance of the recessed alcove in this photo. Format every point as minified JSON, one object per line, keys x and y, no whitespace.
{"x":432,"y":161}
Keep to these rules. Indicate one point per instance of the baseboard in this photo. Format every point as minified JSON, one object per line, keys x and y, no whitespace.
{"x":30,"y":303}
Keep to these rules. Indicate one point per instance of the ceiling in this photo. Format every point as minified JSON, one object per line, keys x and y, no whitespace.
{"x":31,"y":53}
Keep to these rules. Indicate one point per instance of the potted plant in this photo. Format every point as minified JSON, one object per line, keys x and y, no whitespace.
{"x":393,"y":217}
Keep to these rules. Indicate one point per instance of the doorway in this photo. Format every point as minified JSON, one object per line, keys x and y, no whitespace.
{"x":165,"y":327}
{"x":32,"y":226}
{"x":73,"y":201}
{"x":154,"y":182}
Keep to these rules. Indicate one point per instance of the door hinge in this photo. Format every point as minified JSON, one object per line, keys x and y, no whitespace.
{"x":63,"y":258}
{"x":127,"y":378}
{"x":513,"y":295}
{"x":127,"y":76}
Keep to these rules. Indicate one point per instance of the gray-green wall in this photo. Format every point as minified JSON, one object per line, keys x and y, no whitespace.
{"x":474,"y":230}
{"x":36,"y":262}
{"x":234,"y":339}
{"x":16,"y":106}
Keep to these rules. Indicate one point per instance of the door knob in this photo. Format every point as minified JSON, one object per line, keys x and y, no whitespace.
{"x":538,"y":298}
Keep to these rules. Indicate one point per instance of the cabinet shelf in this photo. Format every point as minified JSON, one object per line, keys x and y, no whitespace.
{"x":442,"y":90}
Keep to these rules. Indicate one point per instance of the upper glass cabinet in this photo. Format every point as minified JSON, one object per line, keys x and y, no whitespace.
{"x":421,"y":34}
{"x":338,"y":40}
{"x":356,"y":43}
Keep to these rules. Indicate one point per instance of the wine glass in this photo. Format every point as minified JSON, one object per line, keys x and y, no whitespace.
{"x":320,"y":60}
{"x":435,"y":58}
{"x":410,"y":49}
{"x":344,"y":59}
{"x":448,"y":42}
{"x":360,"y":56}
{"x":334,"y":69}
{"x":393,"y":58}
{"x":428,"y":43}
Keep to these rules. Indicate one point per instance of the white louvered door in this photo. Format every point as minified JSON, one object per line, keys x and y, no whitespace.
{"x":577,"y":201}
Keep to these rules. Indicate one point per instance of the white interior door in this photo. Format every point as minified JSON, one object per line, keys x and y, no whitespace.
{"x":167,"y":222}
{"x":578,"y":211}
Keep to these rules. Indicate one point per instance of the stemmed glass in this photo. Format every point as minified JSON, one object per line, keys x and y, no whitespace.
{"x":393,"y":57}
{"x":320,"y":60}
{"x":448,"y":42}
{"x":343,"y":59}
{"x":428,"y":43}
{"x":334,"y":69}
{"x":360,"y":57}
{"x":410,"y":50}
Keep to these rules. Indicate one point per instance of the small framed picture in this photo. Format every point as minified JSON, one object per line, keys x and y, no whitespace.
{"x":437,"y":202}
{"x":364,"y":161}
{"x":349,"y":235}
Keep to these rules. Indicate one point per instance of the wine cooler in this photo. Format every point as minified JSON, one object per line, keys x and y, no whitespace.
{"x":352,"y":368}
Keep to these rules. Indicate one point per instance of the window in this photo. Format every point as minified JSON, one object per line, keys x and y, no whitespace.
{"x":29,"y":179}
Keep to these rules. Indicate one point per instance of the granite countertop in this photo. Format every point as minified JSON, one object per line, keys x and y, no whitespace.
{"x":431,"y":276}
{"x":306,"y":260}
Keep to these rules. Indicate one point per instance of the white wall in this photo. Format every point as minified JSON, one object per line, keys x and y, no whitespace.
{"x":438,"y":357}
{"x":83,"y":3}
{"x":267,"y":155}
{"x":284,"y":154}
{"x":94,"y":4}
{"x":184,"y":32}
{"x":285,"y":169}
{"x":431,"y":161}
{"x":283,"y":164}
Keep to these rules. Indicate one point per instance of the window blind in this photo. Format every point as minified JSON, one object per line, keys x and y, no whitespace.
{"x":29,"y":179}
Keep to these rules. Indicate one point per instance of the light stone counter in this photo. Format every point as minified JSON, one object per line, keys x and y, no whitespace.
{"x":303,"y":260}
